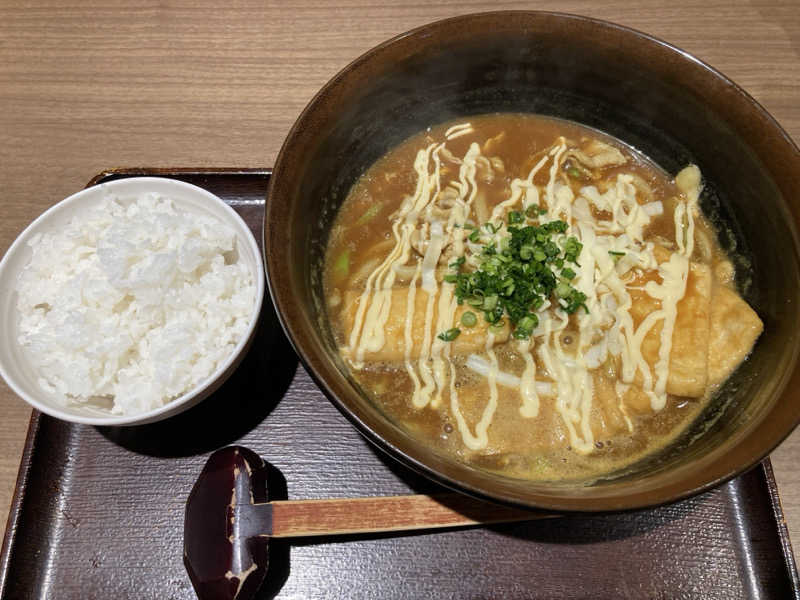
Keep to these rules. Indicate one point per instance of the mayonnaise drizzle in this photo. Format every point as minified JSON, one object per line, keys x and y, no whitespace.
{"x":672,"y":288}
{"x":457,"y":131}
{"x":480,"y":439}
{"x":557,"y":152}
{"x":527,"y":386}
{"x":364,"y":333}
{"x":517,"y":187}
{"x":368,"y":328}
{"x":408,"y":338}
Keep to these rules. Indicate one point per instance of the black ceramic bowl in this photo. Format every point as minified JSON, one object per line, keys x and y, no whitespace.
{"x":645,"y":92}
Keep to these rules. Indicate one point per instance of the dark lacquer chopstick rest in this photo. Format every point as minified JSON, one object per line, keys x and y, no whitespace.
{"x":229,"y":521}
{"x":225,"y":559}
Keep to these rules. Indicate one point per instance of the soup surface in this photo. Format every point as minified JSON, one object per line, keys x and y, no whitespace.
{"x":533,"y":297}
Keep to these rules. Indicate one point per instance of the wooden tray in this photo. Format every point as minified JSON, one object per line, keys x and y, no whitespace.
{"x":98,"y":512}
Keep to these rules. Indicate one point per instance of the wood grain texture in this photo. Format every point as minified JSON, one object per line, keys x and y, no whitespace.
{"x":380,"y":514}
{"x":87,"y":86}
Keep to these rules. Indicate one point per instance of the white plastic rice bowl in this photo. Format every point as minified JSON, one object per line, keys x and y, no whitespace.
{"x":128,"y":302}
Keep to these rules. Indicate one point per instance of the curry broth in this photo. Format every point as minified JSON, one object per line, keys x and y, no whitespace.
{"x":534,"y":447}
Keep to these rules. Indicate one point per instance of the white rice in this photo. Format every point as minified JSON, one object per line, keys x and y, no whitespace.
{"x":133,"y":302}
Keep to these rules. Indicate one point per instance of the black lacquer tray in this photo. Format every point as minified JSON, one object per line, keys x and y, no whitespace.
{"x":98,"y":512}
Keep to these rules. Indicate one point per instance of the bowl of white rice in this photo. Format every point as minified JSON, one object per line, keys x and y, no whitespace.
{"x":128,"y":302}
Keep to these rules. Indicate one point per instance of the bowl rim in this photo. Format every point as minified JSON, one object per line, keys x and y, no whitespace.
{"x":283,"y":303}
{"x":207,"y":385}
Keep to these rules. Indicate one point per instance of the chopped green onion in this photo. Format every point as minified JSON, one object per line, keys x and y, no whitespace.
{"x":525,"y":326}
{"x":573,"y":301}
{"x":497,"y":326}
{"x":370,"y":213}
{"x":451,"y":278}
{"x":450,"y":334}
{"x":574,"y":172}
{"x":468,"y":319}
{"x":551,"y":249}
{"x":526,"y":252}
{"x":515,"y":217}
{"x":341,"y":267}
{"x":563,"y":289}
{"x":457,"y":262}
{"x":518,"y":274}
{"x":614,"y":253}
{"x":474,"y":236}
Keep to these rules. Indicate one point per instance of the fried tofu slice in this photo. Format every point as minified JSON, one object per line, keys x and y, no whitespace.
{"x":608,"y":418}
{"x":471,"y":339}
{"x":735,"y":327}
{"x":635,"y":401}
{"x":688,"y":362}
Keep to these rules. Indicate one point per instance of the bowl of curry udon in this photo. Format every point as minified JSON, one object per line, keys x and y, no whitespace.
{"x":544,"y":260}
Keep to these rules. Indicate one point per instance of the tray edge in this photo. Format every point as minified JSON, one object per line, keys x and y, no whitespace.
{"x":171,"y":171}
{"x":15,"y":510}
{"x":780,"y":522}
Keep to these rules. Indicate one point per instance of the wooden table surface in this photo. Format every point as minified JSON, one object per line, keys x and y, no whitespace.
{"x":87,"y":86}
